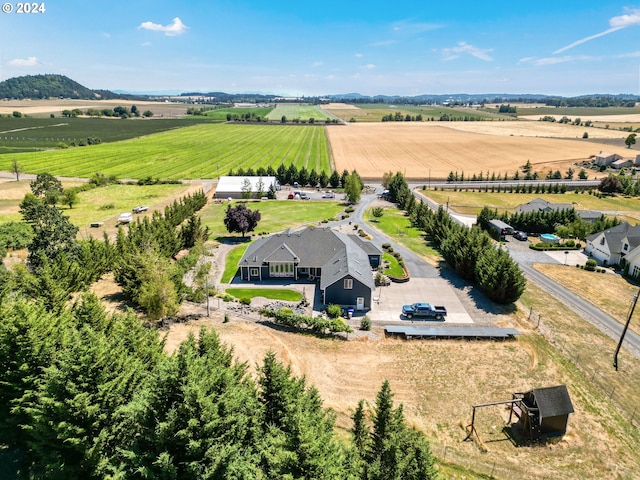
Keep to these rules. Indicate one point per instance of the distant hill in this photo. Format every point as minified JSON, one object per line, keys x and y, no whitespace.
{"x":51,"y":86}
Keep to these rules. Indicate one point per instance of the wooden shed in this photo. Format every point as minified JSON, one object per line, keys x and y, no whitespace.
{"x":543,"y":412}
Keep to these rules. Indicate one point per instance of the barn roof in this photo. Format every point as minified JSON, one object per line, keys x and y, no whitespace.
{"x":553,"y":401}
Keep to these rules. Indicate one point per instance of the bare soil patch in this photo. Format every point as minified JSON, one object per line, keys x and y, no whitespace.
{"x":421,"y":150}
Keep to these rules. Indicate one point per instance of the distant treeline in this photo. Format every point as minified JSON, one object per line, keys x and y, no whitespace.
{"x":51,"y":86}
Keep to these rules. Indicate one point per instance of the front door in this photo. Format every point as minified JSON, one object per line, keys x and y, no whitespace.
{"x":360,"y":303}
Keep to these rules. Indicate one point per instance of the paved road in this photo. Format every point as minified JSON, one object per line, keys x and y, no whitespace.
{"x":525,"y":257}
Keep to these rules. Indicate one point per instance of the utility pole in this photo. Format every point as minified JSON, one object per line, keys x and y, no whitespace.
{"x":624,"y":330}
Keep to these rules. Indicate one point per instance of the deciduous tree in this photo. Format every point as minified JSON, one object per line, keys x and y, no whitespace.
{"x":240,"y":219}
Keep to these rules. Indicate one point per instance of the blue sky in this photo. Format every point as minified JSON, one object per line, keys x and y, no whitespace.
{"x":397,"y":47}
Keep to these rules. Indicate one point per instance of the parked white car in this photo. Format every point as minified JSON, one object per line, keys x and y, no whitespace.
{"x":125,"y":217}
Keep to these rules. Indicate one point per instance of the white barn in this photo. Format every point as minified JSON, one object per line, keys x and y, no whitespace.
{"x":245,"y":187}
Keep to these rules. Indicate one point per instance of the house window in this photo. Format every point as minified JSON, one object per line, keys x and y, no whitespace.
{"x":348,"y":283}
{"x":254,"y":272}
{"x":636,"y":271}
{"x":626,"y":245}
{"x":602,"y":241}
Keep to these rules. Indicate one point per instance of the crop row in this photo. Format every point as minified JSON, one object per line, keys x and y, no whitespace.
{"x":200,"y":151}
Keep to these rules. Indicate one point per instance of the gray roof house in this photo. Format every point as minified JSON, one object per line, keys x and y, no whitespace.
{"x":342,"y":263}
{"x":610,"y":246}
{"x":540,"y":205}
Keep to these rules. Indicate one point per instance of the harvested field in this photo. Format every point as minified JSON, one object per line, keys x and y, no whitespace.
{"x":631,"y":117}
{"x":428,"y":149}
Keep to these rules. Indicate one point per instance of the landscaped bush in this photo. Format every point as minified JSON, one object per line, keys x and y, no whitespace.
{"x":387,"y":246}
{"x":590,"y":265}
{"x":365,"y":323}
{"x":334,"y":311}
{"x":287,"y":317}
{"x":349,"y":209}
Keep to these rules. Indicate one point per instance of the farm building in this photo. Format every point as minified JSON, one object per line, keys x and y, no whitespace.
{"x":606,"y":158}
{"x":342,"y":265}
{"x":245,"y":187}
{"x":543,"y":412}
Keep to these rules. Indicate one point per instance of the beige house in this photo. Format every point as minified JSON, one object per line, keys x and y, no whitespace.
{"x":606,"y":158}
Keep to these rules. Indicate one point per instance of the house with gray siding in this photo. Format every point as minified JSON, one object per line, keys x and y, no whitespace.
{"x":610,"y":246}
{"x":342,"y":264}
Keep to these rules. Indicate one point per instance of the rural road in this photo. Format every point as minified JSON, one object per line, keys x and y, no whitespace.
{"x":525,"y":257}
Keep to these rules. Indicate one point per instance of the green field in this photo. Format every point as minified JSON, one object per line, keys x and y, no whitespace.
{"x":30,"y":133}
{"x":373,"y":112}
{"x":472,"y":202}
{"x":104,"y":203}
{"x":199,"y":151}
{"x":277,"y":215}
{"x":220,"y":114}
{"x":299,"y":111}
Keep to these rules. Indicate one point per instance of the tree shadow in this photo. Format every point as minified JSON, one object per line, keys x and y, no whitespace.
{"x":479,"y":298}
{"x":232,"y":240}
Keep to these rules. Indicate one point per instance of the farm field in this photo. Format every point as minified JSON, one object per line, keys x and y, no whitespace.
{"x":199,"y":151}
{"x":299,"y":111}
{"x":220,"y":114}
{"x":43,"y":108}
{"x":437,"y":382}
{"x":37,"y":133}
{"x":375,"y":111}
{"x":423,"y":149}
{"x":470,"y":203}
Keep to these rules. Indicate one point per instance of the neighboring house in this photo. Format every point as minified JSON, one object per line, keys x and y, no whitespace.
{"x":622,"y":163}
{"x":244,"y":187}
{"x":631,"y":263}
{"x":342,"y":263}
{"x":606,"y":158}
{"x":611,"y":246}
{"x":540,"y":205}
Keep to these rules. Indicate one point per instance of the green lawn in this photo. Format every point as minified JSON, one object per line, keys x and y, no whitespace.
{"x":374,"y":112}
{"x":277,"y":215}
{"x":396,"y":225}
{"x":394,"y":269}
{"x":472,"y":202}
{"x":274,"y":294}
{"x":200,"y":151}
{"x":231,"y":262}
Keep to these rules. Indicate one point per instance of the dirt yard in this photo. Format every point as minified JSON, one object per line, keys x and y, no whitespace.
{"x":437,"y":382}
{"x":423,"y":149}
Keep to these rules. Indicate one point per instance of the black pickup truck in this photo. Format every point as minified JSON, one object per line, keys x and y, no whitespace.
{"x":424,"y":310}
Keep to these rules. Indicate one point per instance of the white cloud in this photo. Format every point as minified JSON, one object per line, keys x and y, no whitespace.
{"x":172,"y":30}
{"x":316,"y":64}
{"x":146,"y":44}
{"x":369,"y":66}
{"x":464,"y":48}
{"x":358,"y":55}
{"x":412,"y":28}
{"x":633,"y":18}
{"x":616,"y":23}
{"x":24,"y":62}
{"x":541,"y":62}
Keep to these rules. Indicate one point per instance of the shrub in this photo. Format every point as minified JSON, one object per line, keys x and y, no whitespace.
{"x":365,"y":323}
{"x":334,"y":311}
{"x":591,"y":265}
{"x":387,"y":246}
{"x":245,"y":301}
{"x":349,"y":209}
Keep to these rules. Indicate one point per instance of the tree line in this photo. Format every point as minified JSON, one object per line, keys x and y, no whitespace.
{"x":469,"y":251}
{"x":303,"y":176}
{"x":86,"y":394}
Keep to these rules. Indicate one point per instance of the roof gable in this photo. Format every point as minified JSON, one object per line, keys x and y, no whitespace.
{"x":553,"y":401}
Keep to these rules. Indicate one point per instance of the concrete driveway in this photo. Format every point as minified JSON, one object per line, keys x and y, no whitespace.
{"x":390,"y":299}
